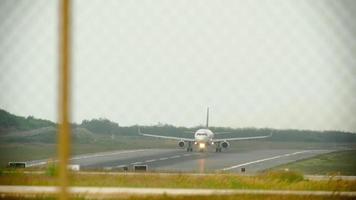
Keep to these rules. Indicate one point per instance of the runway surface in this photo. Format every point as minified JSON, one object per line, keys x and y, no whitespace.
{"x":178,"y":160}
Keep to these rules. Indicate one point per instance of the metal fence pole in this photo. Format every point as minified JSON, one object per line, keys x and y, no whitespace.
{"x":64,"y":96}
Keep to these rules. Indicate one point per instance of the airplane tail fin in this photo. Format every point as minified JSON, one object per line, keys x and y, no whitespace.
{"x":139,"y":131}
{"x":207,"y":118}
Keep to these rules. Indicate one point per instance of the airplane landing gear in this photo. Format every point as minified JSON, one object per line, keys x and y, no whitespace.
{"x":218,"y":148}
{"x":189,"y":148}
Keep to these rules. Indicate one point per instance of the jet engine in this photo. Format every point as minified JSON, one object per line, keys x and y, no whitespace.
{"x":225,"y":145}
{"x":181,"y":144}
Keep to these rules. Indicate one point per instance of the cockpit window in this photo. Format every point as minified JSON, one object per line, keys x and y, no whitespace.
{"x":201,"y":134}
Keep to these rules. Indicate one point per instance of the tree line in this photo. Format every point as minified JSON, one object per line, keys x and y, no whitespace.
{"x":105,"y":127}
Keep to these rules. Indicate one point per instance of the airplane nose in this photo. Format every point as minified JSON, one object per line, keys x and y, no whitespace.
{"x":201,"y":139}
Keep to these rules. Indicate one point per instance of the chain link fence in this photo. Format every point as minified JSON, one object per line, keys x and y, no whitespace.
{"x":278,"y":64}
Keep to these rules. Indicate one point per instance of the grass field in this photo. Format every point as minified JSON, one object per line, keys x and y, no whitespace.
{"x":211,"y":197}
{"x":271,"y":180}
{"x":335,"y":163}
{"x":34,"y":151}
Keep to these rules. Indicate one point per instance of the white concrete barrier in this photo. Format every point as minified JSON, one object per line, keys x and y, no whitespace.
{"x":74,"y":167}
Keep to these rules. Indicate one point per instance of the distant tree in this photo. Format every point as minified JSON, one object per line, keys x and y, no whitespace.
{"x":100,"y":125}
{"x":110,"y":128}
{"x":8,"y":120}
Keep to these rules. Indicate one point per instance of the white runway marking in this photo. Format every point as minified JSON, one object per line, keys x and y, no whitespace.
{"x":104,"y":154}
{"x":265,"y":159}
{"x":136,"y":163}
{"x":36,"y":164}
{"x":119,"y":166}
{"x":41,"y":162}
{"x":154,"y":160}
{"x":177,"y":156}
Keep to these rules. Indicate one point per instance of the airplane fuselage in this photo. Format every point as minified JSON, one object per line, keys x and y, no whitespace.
{"x":203,"y":137}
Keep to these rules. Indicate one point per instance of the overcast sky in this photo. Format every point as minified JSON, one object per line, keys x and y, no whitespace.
{"x":278,"y":64}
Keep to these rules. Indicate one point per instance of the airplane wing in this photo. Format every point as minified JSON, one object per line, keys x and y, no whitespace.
{"x":222,"y":132}
{"x":242,"y":138}
{"x":191,"y":132}
{"x":166,"y":137}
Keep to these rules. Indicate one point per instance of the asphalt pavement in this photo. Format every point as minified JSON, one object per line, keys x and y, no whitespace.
{"x":179,"y":160}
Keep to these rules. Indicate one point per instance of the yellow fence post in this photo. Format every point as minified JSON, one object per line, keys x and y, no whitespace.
{"x":64,"y":96}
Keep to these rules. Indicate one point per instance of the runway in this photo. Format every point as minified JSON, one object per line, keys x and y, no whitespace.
{"x":178,"y":160}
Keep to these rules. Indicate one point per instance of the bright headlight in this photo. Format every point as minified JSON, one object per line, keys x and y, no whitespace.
{"x":201,"y":145}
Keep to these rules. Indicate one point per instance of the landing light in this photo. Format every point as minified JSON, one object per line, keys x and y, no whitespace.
{"x":202,"y":145}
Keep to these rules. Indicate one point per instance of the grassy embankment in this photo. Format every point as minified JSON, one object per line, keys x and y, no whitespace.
{"x":335,"y":163}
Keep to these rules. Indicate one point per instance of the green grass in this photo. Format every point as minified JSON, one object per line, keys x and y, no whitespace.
{"x":210,"y":197}
{"x":33,"y":151}
{"x":270,"y":180}
{"x":335,"y":163}
{"x":24,"y":152}
{"x":277,"y":180}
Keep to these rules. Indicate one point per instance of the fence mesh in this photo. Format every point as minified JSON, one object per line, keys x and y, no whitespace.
{"x":278,"y":64}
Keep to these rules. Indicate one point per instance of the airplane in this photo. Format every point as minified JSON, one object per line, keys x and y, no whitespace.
{"x":204,"y":137}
